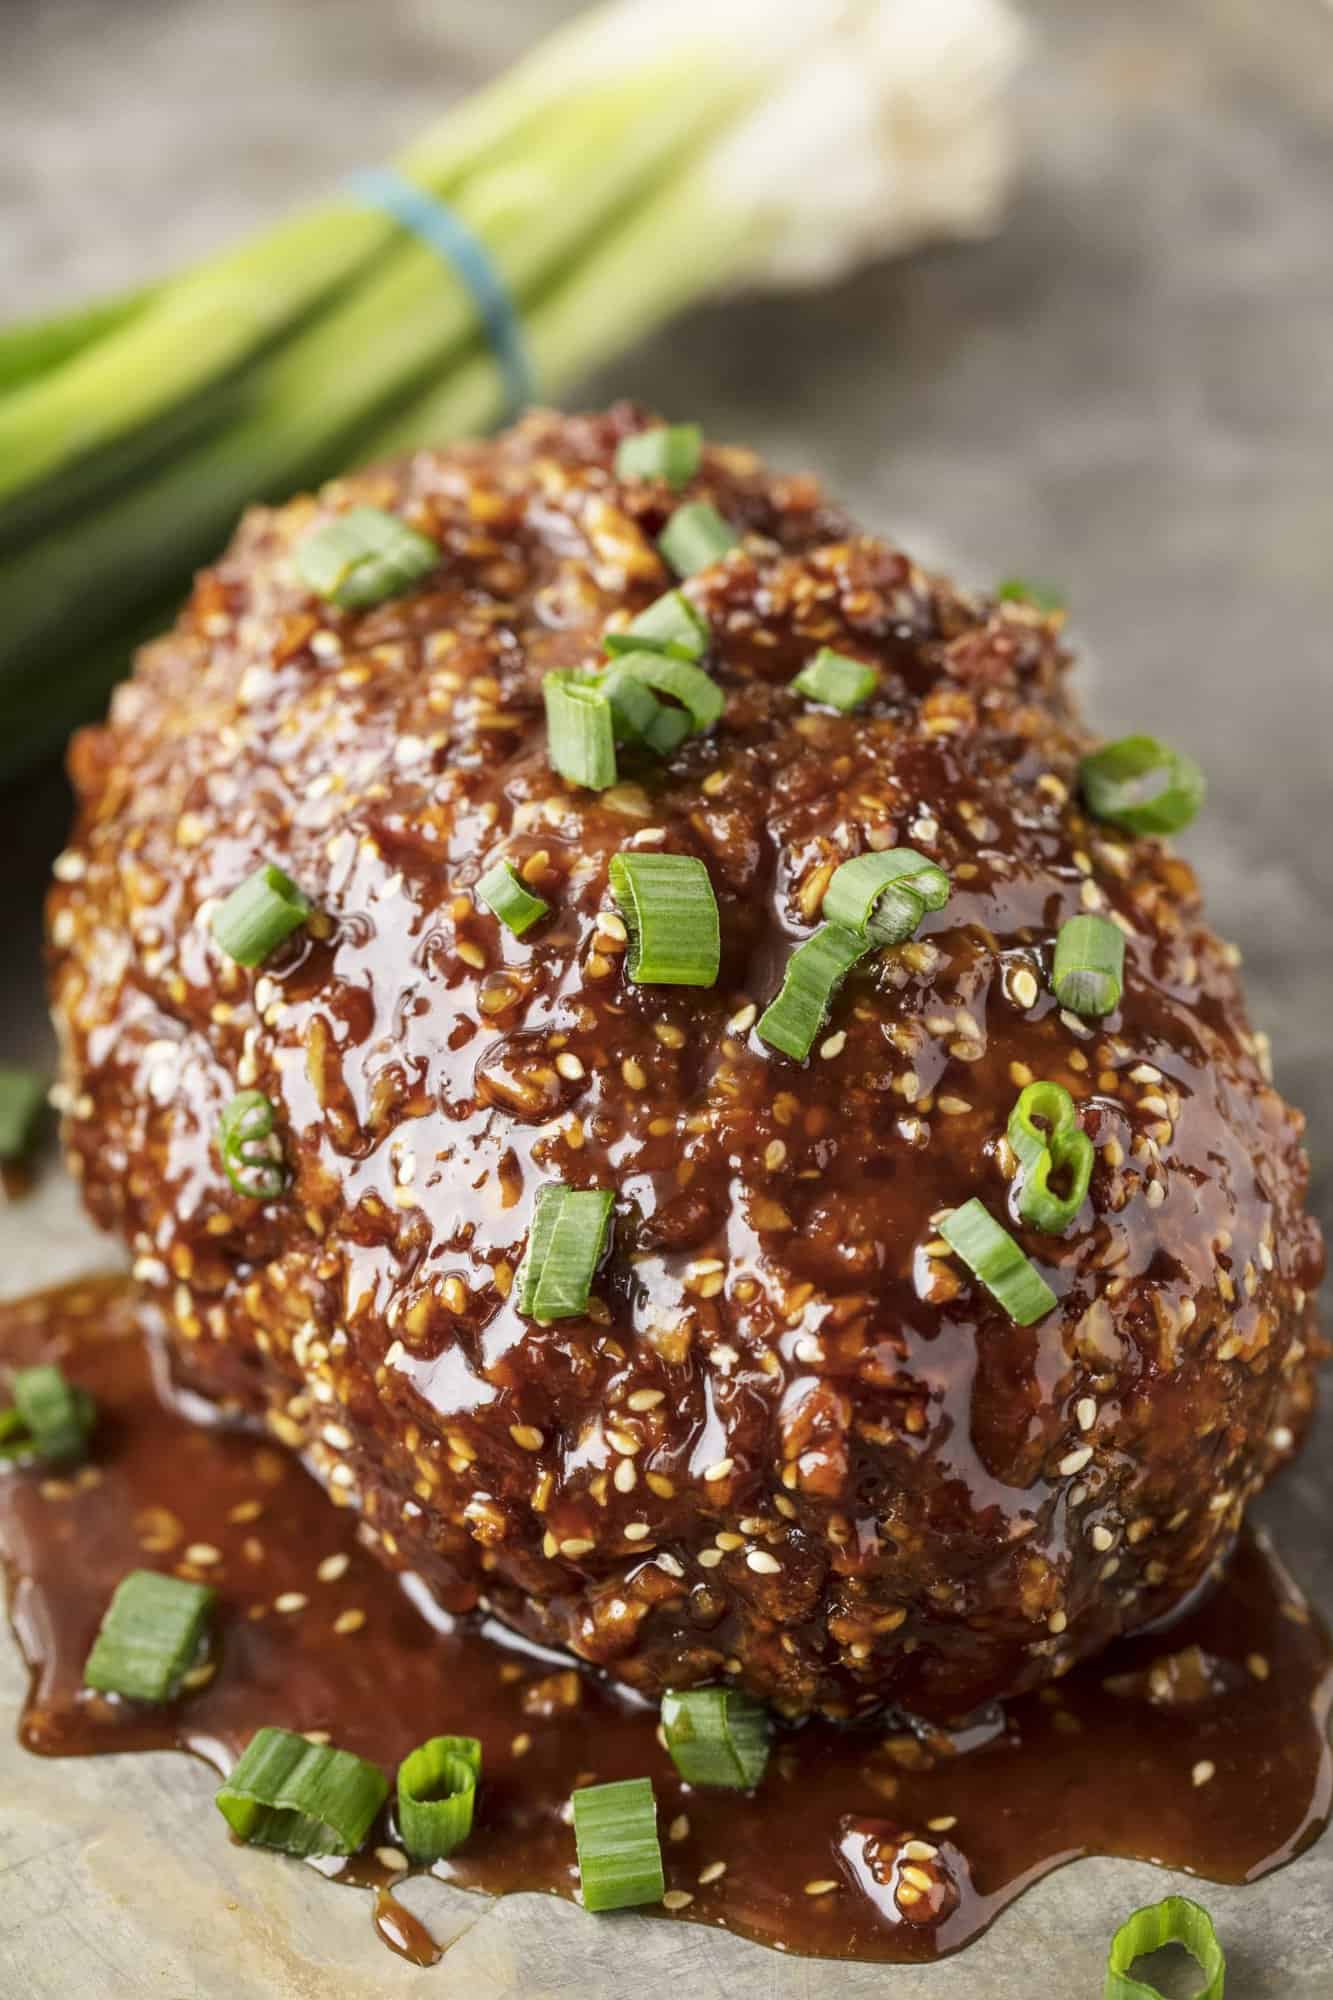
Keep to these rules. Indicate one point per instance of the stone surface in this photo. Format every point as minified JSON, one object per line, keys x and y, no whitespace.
{"x":1128,"y":394}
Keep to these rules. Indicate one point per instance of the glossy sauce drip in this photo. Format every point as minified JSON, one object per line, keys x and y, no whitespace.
{"x":1204,"y":1747}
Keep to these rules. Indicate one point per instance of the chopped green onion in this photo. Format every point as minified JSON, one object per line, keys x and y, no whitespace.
{"x":716,"y":1736}
{"x":504,"y":891}
{"x":670,"y":911}
{"x":637,"y":715}
{"x":669,"y":625}
{"x":671,"y":452}
{"x":364,"y":556}
{"x":580,"y":730}
{"x":149,"y":1637}
{"x":437,"y":1794}
{"x":814,"y":973}
{"x":1175,"y":1920}
{"x":836,"y":680}
{"x":1058,"y":1146}
{"x":615,"y":1831}
{"x":22,"y":1098}
{"x":51,"y":1419}
{"x":992,"y":1255}
{"x":1018,"y":590}
{"x":1088,"y":972}
{"x":565,"y":1245}
{"x":701,"y":697}
{"x":884,"y":896}
{"x":1142,"y":784}
{"x":251,"y":1150}
{"x":695,"y":537}
{"x":256,"y":917}
{"x":300,"y":1797}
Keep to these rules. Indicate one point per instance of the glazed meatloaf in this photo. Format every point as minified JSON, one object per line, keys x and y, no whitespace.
{"x":792,"y":1438}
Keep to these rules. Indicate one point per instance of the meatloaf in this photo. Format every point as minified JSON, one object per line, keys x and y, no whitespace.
{"x":792,"y":1441}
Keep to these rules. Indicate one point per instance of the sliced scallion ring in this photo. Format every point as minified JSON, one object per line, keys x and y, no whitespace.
{"x":620,"y":1858}
{"x":695,"y":537}
{"x":51,"y":1419}
{"x":1175,"y":1920}
{"x":149,"y":1636}
{"x":1058,"y":1145}
{"x":437,"y":1794}
{"x":670,"y":911}
{"x":565,"y":1244}
{"x":299,"y":1797}
{"x":263,"y":910}
{"x":504,"y":891}
{"x":836,"y":681}
{"x":1142,"y":784}
{"x":22,"y":1101}
{"x":669,"y":625}
{"x":716,"y":1736}
{"x":884,"y":896}
{"x":1019,"y":590}
{"x":992,"y":1255}
{"x":580,"y":728}
{"x":814,"y":973}
{"x":1088,"y":970}
{"x":362,"y":557}
{"x":671,"y":452}
{"x":699,"y":695}
{"x":250,"y":1148}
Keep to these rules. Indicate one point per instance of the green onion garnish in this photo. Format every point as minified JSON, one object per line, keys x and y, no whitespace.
{"x":836,"y":680}
{"x":302,"y":1798}
{"x":504,"y":891}
{"x":149,"y":1637}
{"x":716,"y":1736}
{"x":670,"y":911}
{"x":22,"y":1098}
{"x":992,"y":1255}
{"x":251,"y":1150}
{"x":884,"y":896}
{"x":1058,"y":1145}
{"x":1087,"y":975}
{"x":696,"y":536}
{"x":257,"y":916}
{"x":701,"y":697}
{"x":615,"y":1831}
{"x":364,"y":556}
{"x":1175,"y":1920}
{"x":1018,"y":590}
{"x":580,"y":729}
{"x":671,"y":452}
{"x":637,"y":716}
{"x":669,"y":625}
{"x":565,"y":1244}
{"x":814,"y":973}
{"x":437,"y":1793}
{"x":51,"y":1419}
{"x":1142,"y":784}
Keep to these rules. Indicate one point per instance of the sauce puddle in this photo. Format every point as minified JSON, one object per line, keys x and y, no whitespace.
{"x":1205,"y":1747}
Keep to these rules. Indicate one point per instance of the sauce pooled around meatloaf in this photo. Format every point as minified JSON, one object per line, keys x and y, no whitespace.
{"x":792,"y":1441}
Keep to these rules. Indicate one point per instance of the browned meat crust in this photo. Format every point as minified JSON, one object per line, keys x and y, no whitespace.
{"x":793,"y":1441}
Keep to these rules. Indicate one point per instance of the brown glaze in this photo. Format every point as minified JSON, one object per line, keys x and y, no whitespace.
{"x":1205,"y":1747}
{"x":792,"y":1442}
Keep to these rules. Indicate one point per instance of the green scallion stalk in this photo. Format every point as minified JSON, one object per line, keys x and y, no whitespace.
{"x":669,"y":625}
{"x":1019,"y":590}
{"x":615,"y":1832}
{"x":437,"y":1795}
{"x":815,"y":971}
{"x":1056,"y":1145}
{"x":992,"y":1255}
{"x":836,"y":681}
{"x":637,"y":715}
{"x":883,"y":897}
{"x":565,"y":1245}
{"x":251,"y":1151}
{"x":1088,"y":970}
{"x":22,"y":1102}
{"x":700,"y":697}
{"x":504,"y":891}
{"x":670,"y":452}
{"x":1175,"y":1920}
{"x":362,"y":557}
{"x":696,"y":537}
{"x":580,"y":727}
{"x":150,"y":1636}
{"x":1142,"y":785}
{"x":716,"y":1736}
{"x":299,"y":1797}
{"x":51,"y":1419}
{"x":670,"y":911}
{"x":258,"y":915}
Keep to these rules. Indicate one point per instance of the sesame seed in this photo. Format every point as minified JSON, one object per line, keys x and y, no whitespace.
{"x":290,"y":1600}
{"x":392,"y":1859}
{"x":203,"y":1553}
{"x":527,"y":1437}
{"x":1202,"y":1771}
{"x":918,"y":1850}
{"x":719,"y":1470}
{"x":1074,"y":1461}
{"x":822,"y":1887}
{"x":623,"y":1441}
{"x":944,"y":1823}
{"x":1086,"y":1412}
{"x":917,"y":1877}
{"x":834,"y":1046}
{"x":709,"y":1558}
{"x":569,"y":1066}
{"x":521,"y":1744}
{"x":679,"y":1828}
{"x":1102,"y":1539}
{"x":332,"y":1568}
{"x":637,"y":1531}
{"x":726,"y":1539}
{"x":677,"y":1899}
{"x":624,"y":1478}
{"x":763,"y":1562}
{"x":1057,"y":1622}
{"x":1154,"y":1194}
{"x":645,"y":1399}
{"x":1023,"y":987}
{"x":739,"y":1022}
{"x":712,"y":1873}
{"x":576,"y":1545}
{"x":348,"y":1621}
{"x":1257,"y":1665}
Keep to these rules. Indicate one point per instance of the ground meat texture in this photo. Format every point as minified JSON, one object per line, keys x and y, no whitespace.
{"x":793,"y":1442}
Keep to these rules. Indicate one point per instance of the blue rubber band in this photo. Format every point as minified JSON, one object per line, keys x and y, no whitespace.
{"x":444,"y":231}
